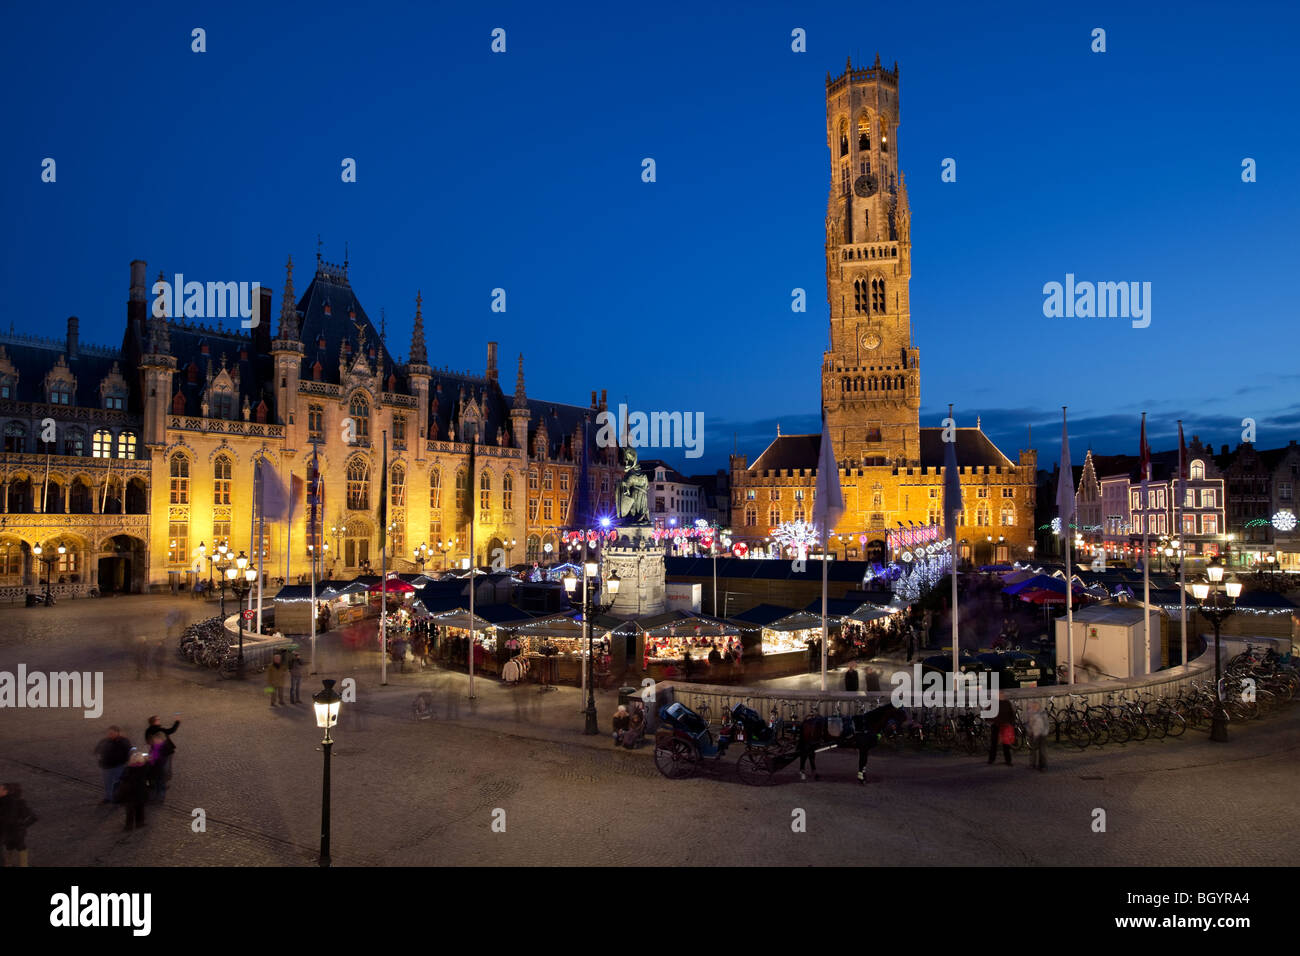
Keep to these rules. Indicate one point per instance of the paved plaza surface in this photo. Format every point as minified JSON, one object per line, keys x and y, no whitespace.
{"x":409,"y":792}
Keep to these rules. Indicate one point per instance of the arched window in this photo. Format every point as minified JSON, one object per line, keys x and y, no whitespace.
{"x":435,"y":490}
{"x":774,"y":516}
{"x":358,"y":485}
{"x":126,"y":445}
{"x":74,"y":442}
{"x":359,"y":412}
{"x":533,"y":552}
{"x":844,"y":137}
{"x":1198,"y":470}
{"x":751,"y":515}
{"x":508,"y":492}
{"x":221,"y":480}
{"x":485,"y":492}
{"x":223,"y":402}
{"x":860,"y":296}
{"x":462,"y":490}
{"x":180,"y":479}
{"x":315,"y":420}
{"x":397,"y":487}
{"x":864,"y":132}
{"x":877,"y":295}
{"x":15,"y":437}
{"x":80,"y":497}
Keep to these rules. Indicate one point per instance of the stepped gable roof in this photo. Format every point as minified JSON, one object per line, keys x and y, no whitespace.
{"x":33,"y":358}
{"x":446,"y":387}
{"x":256,"y":373}
{"x":974,"y":449}
{"x":330,"y":286}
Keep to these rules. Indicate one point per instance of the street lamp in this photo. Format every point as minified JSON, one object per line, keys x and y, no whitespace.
{"x":1221,"y":605}
{"x":221,"y":560}
{"x":241,"y":578}
{"x":510,"y":546}
{"x":327,"y":703}
{"x":421,"y":555}
{"x":591,"y":570}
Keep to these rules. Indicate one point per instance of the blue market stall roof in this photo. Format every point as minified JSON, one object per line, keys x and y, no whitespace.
{"x":795,"y":452}
{"x":763,"y":614}
{"x":765,"y":569}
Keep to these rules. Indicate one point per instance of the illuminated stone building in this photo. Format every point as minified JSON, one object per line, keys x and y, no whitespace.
{"x":155,"y":442}
{"x":871,"y":374}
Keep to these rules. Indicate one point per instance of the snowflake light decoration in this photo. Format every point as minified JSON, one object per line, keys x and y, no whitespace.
{"x":1284,"y":521}
{"x":798,"y":535}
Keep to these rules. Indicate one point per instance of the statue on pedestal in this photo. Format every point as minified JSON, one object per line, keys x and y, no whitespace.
{"x":633,"y":507}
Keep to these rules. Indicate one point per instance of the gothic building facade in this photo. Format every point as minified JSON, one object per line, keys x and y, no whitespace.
{"x":149,"y":463}
{"x":891,"y":467}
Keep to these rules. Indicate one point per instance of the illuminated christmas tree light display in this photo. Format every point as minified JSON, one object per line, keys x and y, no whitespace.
{"x":798,"y":536}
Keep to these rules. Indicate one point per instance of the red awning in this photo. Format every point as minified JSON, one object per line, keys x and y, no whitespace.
{"x":392,"y":586}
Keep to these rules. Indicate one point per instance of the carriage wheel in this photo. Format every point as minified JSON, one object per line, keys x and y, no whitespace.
{"x":677,"y":759}
{"x":754,"y":768}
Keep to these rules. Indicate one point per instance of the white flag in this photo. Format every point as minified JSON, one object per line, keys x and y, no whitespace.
{"x":829,"y":506}
{"x":1065,"y":481}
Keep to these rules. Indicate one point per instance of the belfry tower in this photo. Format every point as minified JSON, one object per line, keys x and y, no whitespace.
{"x":871,"y":375}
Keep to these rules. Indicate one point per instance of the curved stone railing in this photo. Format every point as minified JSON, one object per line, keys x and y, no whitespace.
{"x":1167,"y":683}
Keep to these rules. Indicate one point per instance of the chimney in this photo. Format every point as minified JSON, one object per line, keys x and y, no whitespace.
{"x":492,"y":362}
{"x":74,"y":338}
{"x":262,"y":333}
{"x":603,"y":403}
{"x":593,"y":399}
{"x":137,"y":306}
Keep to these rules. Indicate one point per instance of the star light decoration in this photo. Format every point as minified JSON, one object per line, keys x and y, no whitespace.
{"x":798,"y":536}
{"x":1284,"y":521}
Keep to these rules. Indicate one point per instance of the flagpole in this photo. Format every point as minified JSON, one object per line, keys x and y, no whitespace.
{"x":312,"y":513}
{"x":45,"y":492}
{"x":1182,"y":556}
{"x":473,"y":631}
{"x":1146,"y":554}
{"x":826,"y":634}
{"x":261,"y":549}
{"x":252,"y":519}
{"x":103,"y":505}
{"x":383,"y":570}
{"x":953,"y":551}
{"x":1069,"y":541}
{"x":288,"y":531}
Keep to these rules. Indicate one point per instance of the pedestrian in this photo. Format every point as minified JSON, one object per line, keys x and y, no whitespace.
{"x":15,"y":817}
{"x":135,"y":788}
{"x":851,"y":679}
{"x":1002,"y":730}
{"x":295,"y":678}
{"x":276,"y":676}
{"x":687,"y":665}
{"x":807,"y":748}
{"x":635,"y":729}
{"x":155,"y":725}
{"x":622,"y":721}
{"x":113,"y":752}
{"x":161,"y":749}
{"x":873,"y":679}
{"x":1037,"y":727}
{"x":141,"y":657}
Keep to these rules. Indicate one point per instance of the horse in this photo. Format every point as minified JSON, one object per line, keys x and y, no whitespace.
{"x":858,"y":731}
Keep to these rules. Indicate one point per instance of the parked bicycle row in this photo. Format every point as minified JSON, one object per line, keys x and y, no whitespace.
{"x":1255,"y":684}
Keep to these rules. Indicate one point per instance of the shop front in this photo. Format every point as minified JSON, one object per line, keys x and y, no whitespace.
{"x":703,"y":649}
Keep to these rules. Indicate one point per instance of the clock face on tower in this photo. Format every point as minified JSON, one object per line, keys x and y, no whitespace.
{"x":865,"y":185}
{"x":870,"y":340}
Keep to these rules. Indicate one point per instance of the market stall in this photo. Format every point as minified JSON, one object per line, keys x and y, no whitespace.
{"x":685,"y":649}
{"x":557,"y":650}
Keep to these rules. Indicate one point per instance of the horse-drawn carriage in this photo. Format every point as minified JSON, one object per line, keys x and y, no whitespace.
{"x":685,"y":740}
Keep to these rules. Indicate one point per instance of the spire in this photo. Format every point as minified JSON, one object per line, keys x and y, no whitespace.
{"x":877,"y":66}
{"x":521,"y":397}
{"x":158,"y":337}
{"x":419,"y":355}
{"x":288,"y":310}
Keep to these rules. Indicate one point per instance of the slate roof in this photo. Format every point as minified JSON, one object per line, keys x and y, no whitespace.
{"x":974,"y":449}
{"x":33,"y":359}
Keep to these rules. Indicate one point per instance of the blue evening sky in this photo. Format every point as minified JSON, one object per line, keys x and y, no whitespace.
{"x":523,"y":171}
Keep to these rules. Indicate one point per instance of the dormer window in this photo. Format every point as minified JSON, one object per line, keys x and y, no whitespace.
{"x":115,"y":402}
{"x":6,"y":387}
{"x":60,"y":393}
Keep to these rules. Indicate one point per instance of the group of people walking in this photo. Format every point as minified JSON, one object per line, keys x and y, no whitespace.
{"x":132,"y":776}
{"x":1003,"y":733}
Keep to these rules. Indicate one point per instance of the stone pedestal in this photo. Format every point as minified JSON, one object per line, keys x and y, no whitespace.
{"x":639,"y":561}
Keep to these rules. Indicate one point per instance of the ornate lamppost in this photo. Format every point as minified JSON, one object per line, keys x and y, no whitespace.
{"x":421,"y":555}
{"x":1217,"y":605}
{"x":326,"y":703}
{"x":49,"y":564}
{"x":220,"y":562}
{"x":590,"y":606}
{"x":241,"y":578}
